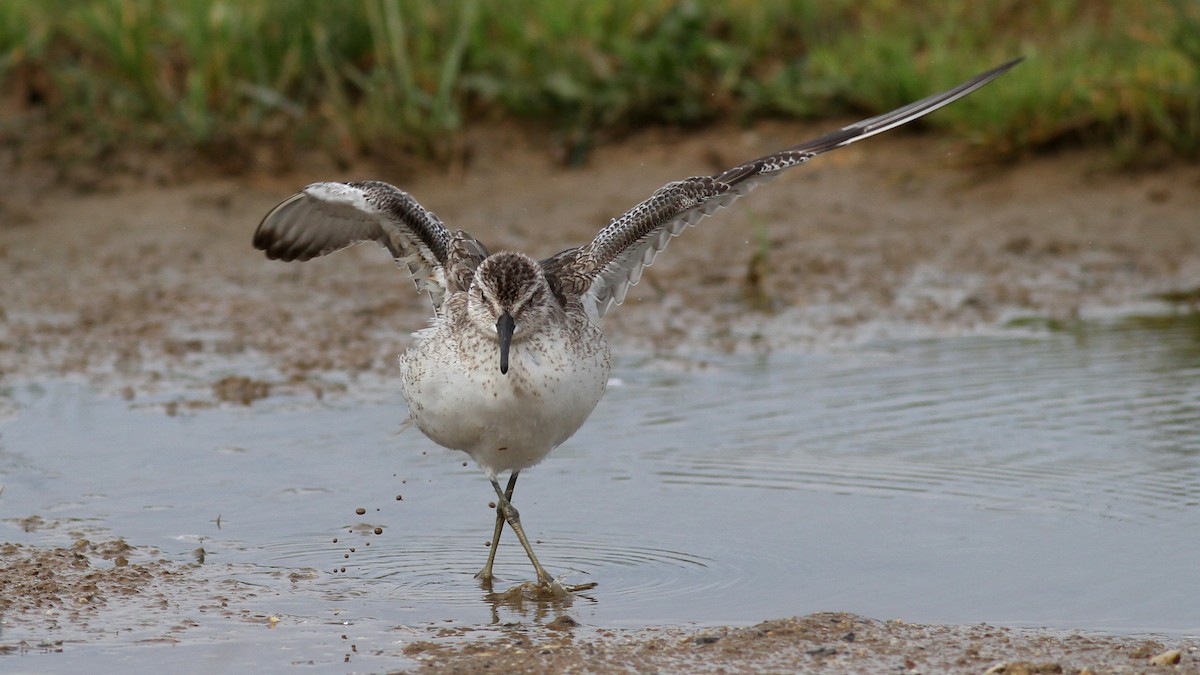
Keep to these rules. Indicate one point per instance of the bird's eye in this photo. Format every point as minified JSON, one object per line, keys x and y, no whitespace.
{"x":481,"y":298}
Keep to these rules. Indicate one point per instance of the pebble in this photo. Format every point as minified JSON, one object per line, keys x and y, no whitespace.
{"x":1167,"y":658}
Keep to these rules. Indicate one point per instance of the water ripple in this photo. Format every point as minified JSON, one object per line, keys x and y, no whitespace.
{"x":1106,"y":419}
{"x":440,"y":569}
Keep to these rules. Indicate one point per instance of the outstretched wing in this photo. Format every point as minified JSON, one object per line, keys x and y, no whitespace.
{"x":602,"y":271}
{"x":327,"y":217}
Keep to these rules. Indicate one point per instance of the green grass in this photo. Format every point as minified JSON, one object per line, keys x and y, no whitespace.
{"x":376,"y":77}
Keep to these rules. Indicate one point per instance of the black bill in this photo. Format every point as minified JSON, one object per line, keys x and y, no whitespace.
{"x":504,"y":328}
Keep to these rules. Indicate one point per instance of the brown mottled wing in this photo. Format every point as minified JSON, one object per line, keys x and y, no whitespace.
{"x":327,"y":217}
{"x":602,"y":271}
{"x":464,"y":255}
{"x":565,"y":277}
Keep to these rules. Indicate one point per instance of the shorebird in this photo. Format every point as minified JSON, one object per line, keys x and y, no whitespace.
{"x":514,"y":361}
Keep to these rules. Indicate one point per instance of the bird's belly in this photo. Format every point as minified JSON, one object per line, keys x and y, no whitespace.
{"x":504,"y":421}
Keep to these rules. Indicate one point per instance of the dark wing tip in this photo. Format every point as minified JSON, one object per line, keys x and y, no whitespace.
{"x":285,"y":254}
{"x":277,"y":238}
{"x":987,"y":76}
{"x":277,"y":249}
{"x":1006,"y":66}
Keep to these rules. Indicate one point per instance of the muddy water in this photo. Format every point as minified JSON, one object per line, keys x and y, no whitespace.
{"x":1026,"y":478}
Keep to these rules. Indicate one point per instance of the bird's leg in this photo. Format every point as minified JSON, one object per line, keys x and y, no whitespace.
{"x":485,"y":574}
{"x":505,"y":508}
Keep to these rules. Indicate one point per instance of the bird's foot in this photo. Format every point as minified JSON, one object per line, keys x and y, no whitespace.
{"x":553,"y":589}
{"x":485,"y":582}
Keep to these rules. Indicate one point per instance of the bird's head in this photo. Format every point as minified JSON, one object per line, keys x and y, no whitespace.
{"x":510,"y":299}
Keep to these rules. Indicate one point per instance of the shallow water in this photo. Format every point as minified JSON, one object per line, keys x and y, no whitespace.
{"x":1025,"y":479}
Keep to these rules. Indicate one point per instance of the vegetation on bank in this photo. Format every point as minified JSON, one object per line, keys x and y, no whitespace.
{"x":363,"y":77}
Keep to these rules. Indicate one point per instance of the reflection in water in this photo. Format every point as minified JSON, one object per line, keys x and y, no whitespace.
{"x":527,"y":600}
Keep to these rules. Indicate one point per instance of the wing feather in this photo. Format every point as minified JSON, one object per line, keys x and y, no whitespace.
{"x":327,"y":217}
{"x":602,"y":271}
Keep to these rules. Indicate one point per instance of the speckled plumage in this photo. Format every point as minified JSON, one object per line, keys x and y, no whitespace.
{"x":506,"y":422}
{"x":515,"y":361}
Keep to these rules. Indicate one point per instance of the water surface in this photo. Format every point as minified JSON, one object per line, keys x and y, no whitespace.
{"x":1025,"y":479}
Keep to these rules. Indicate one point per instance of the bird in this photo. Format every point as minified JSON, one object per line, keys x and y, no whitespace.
{"x":514,"y":359}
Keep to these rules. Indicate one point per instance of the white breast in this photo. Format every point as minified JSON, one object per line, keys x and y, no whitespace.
{"x":459,"y":398}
